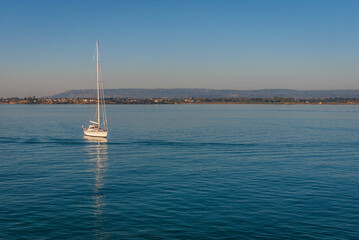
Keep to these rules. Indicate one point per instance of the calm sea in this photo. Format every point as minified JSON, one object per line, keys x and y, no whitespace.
{"x":180,"y":172}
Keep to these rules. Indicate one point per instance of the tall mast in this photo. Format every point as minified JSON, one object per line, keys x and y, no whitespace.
{"x":98,"y":87}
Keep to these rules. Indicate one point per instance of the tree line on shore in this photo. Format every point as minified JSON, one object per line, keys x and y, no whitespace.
{"x":190,"y":100}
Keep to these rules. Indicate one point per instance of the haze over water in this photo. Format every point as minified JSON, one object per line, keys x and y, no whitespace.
{"x":180,"y":172}
{"x":242,"y":45}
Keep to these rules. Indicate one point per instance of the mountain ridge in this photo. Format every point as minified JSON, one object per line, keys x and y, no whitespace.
{"x":172,"y":93}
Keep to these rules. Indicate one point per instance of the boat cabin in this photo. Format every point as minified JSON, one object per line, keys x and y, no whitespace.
{"x":93,"y":127}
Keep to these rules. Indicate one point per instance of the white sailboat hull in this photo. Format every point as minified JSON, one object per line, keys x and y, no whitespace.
{"x":95,"y":133}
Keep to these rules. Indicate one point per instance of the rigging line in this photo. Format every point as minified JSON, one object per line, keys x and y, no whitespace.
{"x":104,"y":107}
{"x":94,"y":57}
{"x":104,"y":97}
{"x":104,"y":115}
{"x":94,"y":77}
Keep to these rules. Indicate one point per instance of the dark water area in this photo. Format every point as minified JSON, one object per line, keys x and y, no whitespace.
{"x":180,"y":172}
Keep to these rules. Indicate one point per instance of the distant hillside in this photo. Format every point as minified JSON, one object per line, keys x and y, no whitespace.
{"x":208,"y":93}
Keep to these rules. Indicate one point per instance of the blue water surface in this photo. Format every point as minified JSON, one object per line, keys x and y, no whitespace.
{"x":180,"y":172}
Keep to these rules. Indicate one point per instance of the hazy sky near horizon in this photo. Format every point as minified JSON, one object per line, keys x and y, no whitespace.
{"x":48,"y":46}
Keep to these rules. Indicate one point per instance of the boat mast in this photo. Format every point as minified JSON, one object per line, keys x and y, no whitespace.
{"x":98,"y":87}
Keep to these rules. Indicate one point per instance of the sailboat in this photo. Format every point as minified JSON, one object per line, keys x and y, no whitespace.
{"x":98,"y":128}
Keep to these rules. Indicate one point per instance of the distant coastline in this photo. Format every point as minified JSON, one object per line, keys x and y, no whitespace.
{"x":272,"y":100}
{"x":182,"y":93}
{"x":195,"y":96}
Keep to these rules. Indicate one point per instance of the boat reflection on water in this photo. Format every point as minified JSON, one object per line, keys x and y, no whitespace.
{"x":98,"y":154}
{"x":95,"y":139}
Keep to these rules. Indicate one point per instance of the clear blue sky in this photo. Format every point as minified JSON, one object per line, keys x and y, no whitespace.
{"x":47,"y":46}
